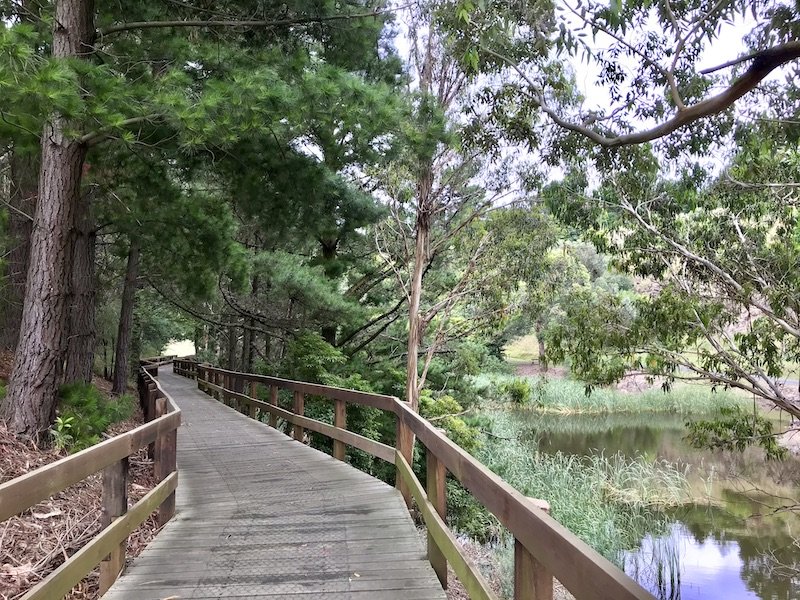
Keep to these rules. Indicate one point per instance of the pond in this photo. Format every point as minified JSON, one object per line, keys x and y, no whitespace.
{"x":734,"y":546}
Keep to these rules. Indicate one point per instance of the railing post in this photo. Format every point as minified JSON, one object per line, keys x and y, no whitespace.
{"x":298,"y":407}
{"x":340,"y":421}
{"x":273,"y":399}
{"x":405,"y":446}
{"x":164,"y":463}
{"x":115,"y":504}
{"x":532,"y":581}
{"x":152,"y":394}
{"x":254,"y":395}
{"x":437,"y":495}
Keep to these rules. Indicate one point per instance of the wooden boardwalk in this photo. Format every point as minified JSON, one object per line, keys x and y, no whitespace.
{"x":263,"y":516}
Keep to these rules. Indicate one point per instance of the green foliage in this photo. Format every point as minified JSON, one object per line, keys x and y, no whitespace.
{"x":2,"y":389}
{"x":310,"y":358}
{"x":518,"y":390}
{"x":61,"y":432}
{"x":443,"y":411}
{"x":735,"y":429}
{"x":84,"y":414}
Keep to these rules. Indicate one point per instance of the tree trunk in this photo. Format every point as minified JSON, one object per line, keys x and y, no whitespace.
{"x":22,"y":201}
{"x":30,"y":404}
{"x":245,"y":362}
{"x":124,"y":333}
{"x":538,"y":328}
{"x":137,"y":340}
{"x":329,"y":250}
{"x":416,"y":328}
{"x":106,"y":371}
{"x":232,"y":339}
{"x":249,"y":338}
{"x":24,"y":188}
{"x":82,"y":332}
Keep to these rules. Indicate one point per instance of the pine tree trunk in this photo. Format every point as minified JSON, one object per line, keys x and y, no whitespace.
{"x":249,"y":338}
{"x":329,"y":251}
{"x":125,"y":331}
{"x":24,"y":189}
{"x":82,"y":332}
{"x":30,"y":404}
{"x":245,"y":362}
{"x":232,"y":339}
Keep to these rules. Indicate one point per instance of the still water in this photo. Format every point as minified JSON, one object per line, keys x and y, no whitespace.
{"x":735,"y":546}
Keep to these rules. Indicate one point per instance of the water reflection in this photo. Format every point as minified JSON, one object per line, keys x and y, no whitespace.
{"x":730,"y":549}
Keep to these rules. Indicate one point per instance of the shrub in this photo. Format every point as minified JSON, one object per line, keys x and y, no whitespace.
{"x":84,"y":414}
{"x":2,"y":390}
{"x":518,"y":390}
{"x":445,"y":412}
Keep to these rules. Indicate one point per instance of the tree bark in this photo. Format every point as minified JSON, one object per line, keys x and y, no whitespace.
{"x":30,"y":404}
{"x":82,"y":331}
{"x":249,"y":338}
{"x":538,"y":328}
{"x":24,"y":189}
{"x":125,"y":331}
{"x":415,"y":325}
{"x":329,"y":251}
{"x":232,"y":339}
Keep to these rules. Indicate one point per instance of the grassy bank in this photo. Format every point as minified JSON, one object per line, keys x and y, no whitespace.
{"x":564,"y":396}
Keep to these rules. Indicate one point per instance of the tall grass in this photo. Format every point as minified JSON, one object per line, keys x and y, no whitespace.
{"x":609,"y":501}
{"x":612,"y":502}
{"x":565,"y":396}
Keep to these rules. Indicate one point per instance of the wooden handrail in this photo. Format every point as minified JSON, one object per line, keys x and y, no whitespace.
{"x":110,"y":457}
{"x":543,"y":547}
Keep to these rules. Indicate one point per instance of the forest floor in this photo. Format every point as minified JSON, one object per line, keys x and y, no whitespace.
{"x":38,"y":541}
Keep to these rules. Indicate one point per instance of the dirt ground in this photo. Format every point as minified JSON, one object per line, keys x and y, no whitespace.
{"x":39,"y":540}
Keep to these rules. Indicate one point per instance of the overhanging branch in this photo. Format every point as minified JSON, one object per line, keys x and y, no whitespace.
{"x":763,"y":63}
{"x":250,"y":24}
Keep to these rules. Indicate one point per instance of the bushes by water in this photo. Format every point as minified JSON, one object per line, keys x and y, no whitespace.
{"x":565,"y":396}
{"x":84,"y":413}
{"x":518,"y":390}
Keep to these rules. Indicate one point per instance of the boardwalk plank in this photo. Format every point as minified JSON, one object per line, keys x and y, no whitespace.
{"x":262,"y":516}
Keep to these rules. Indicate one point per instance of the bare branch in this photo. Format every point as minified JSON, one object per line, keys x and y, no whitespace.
{"x":763,"y":63}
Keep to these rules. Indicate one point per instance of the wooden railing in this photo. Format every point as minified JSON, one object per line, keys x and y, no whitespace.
{"x":543,"y":548}
{"x":110,"y":457}
{"x":154,"y":362}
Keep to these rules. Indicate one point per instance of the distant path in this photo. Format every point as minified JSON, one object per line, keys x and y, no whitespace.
{"x":263,"y":516}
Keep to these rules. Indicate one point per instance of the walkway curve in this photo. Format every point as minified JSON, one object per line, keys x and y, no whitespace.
{"x":262,"y":516}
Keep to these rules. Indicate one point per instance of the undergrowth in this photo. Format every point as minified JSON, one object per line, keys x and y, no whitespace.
{"x":564,"y":396}
{"x":84,"y":413}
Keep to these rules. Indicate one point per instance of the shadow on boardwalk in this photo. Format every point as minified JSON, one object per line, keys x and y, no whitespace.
{"x":263,"y":516}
